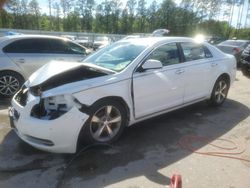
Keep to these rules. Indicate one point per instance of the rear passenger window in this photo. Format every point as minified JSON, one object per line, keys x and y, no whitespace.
{"x":167,"y":54}
{"x":193,"y":51}
{"x":28,"y":46}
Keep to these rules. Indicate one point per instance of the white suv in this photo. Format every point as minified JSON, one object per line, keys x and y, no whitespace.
{"x":21,"y":55}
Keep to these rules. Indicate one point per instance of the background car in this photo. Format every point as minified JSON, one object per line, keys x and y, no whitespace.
{"x":100,"y":42}
{"x":21,"y":55}
{"x":214,"y":39}
{"x":117,"y":86}
{"x":234,"y":47}
{"x":245,"y":62}
{"x":84,"y":41}
{"x":70,"y":37}
{"x":160,"y":32}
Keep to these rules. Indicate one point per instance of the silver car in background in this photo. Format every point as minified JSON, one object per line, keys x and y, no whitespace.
{"x":234,"y":47}
{"x":21,"y":55}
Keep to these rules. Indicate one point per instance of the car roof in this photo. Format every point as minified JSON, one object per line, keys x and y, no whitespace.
{"x":30,"y":36}
{"x":236,"y":41}
{"x":155,"y":40}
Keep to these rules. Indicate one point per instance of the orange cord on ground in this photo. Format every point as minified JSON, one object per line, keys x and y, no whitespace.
{"x":186,"y":142}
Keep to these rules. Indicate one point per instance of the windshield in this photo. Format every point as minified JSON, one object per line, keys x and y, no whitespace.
{"x":116,"y":56}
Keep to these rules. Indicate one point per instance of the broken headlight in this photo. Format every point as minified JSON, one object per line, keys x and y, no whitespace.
{"x":53,"y":107}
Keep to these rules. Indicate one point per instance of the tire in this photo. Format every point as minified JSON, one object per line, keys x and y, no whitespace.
{"x":245,"y":69}
{"x":99,"y":128}
{"x":220,"y":91}
{"x":10,"y":83}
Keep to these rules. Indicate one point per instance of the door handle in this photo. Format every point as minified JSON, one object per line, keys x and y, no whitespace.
{"x":21,"y":61}
{"x":214,"y":64}
{"x":179,"y":71}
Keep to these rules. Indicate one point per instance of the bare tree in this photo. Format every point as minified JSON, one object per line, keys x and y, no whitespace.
{"x":131,"y":8}
{"x":141,"y":14}
{"x":34,"y":9}
{"x":247,"y":14}
{"x":50,"y":2}
{"x":66,"y":6}
{"x":57,"y":13}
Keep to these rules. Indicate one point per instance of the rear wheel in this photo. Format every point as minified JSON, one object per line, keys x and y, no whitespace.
{"x":219,"y":93}
{"x":106,"y":123}
{"x":10,"y":83}
{"x":245,"y":69}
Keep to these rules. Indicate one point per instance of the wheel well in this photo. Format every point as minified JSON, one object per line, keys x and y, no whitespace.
{"x":226,"y":76}
{"x":118,"y":99}
{"x":6,"y":71}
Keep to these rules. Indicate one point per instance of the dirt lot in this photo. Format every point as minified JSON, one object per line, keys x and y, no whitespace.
{"x":147,"y":154}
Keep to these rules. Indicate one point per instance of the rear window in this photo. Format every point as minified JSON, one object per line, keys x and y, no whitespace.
{"x":232,"y":43}
{"x":44,"y":45}
{"x":193,"y":51}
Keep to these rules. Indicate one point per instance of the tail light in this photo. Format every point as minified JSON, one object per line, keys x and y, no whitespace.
{"x":236,"y":50}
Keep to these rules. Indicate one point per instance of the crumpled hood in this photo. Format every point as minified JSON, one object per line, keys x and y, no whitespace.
{"x":58,"y":73}
{"x":48,"y":70}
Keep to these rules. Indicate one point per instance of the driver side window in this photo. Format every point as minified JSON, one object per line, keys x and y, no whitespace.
{"x":167,"y":54}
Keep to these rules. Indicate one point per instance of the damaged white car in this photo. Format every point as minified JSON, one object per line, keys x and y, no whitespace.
{"x":61,"y":105}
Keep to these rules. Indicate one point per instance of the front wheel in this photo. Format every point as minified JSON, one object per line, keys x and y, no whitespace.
{"x":106,"y":122}
{"x":219,"y":93}
{"x":10,"y":83}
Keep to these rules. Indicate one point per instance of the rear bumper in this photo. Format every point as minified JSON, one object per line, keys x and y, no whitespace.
{"x":59,"y":135}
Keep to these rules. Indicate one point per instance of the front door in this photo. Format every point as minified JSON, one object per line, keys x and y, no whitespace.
{"x":161,"y":89}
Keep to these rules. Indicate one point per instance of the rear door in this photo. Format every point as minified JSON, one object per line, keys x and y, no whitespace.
{"x":198,"y":71}
{"x":29,"y":54}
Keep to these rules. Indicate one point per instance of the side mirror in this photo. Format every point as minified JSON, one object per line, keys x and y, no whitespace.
{"x":152,"y":64}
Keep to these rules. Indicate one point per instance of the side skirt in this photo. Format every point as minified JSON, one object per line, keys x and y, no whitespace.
{"x":142,"y":118}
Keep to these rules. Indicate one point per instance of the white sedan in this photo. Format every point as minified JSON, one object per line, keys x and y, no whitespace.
{"x":131,"y":80}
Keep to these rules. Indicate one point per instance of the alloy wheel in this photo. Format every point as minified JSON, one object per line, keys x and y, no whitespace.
{"x":221,"y":91}
{"x":105,"y":123}
{"x":9,"y":85}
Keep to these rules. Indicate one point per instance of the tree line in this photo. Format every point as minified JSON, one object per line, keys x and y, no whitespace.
{"x":135,"y":16}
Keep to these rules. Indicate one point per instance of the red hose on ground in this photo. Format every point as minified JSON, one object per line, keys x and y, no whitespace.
{"x":187,"y":141}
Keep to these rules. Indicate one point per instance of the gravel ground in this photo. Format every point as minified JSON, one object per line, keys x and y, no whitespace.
{"x":147,"y":155}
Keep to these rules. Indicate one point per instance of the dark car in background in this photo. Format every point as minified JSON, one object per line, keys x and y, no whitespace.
{"x":215,"y":39}
{"x":245,"y":61}
{"x":234,"y":47}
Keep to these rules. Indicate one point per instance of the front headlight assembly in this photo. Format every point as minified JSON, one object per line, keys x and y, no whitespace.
{"x":53,"y":107}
